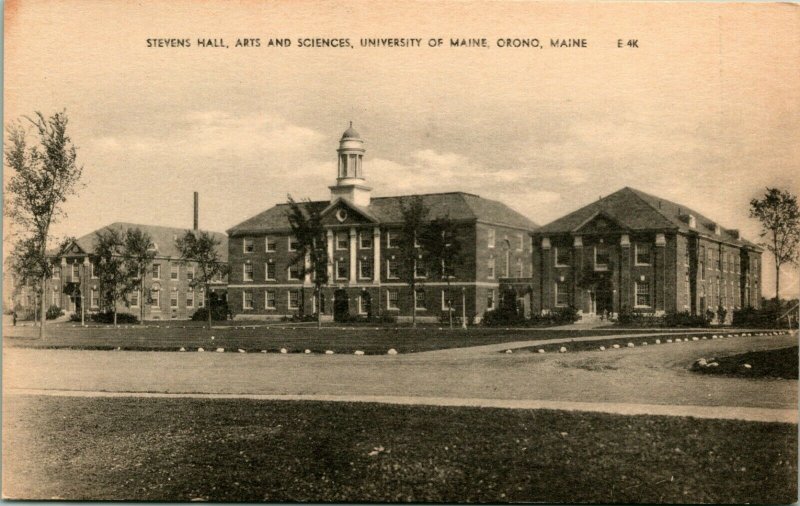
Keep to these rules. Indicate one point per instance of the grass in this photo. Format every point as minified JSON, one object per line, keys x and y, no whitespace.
{"x":622,"y":342}
{"x":780,"y":363}
{"x":252,"y":338}
{"x":239,"y":450}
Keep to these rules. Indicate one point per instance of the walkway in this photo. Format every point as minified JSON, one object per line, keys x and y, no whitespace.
{"x":714,"y":412}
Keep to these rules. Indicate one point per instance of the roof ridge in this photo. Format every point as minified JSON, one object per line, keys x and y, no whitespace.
{"x":637,"y":193}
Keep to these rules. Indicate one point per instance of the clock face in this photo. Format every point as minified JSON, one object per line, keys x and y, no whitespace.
{"x":341,"y":215}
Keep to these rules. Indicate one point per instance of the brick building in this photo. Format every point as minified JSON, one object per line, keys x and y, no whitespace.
{"x":635,"y":250}
{"x":362,"y":244}
{"x":170,"y":297}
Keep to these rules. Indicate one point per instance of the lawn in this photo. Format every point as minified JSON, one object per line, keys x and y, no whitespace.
{"x":254,"y":338}
{"x":781,"y":363}
{"x":239,"y":450}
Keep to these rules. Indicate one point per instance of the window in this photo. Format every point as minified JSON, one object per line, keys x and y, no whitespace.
{"x":293,"y":272}
{"x":342,"y":269}
{"x":76,"y":271}
{"x":520,"y":271}
{"x":642,"y":254}
{"x":686,"y":256}
{"x":201,"y":298}
{"x":365,"y":269}
{"x":247,"y":272}
{"x":134,"y":300}
{"x":521,"y":242}
{"x":294,"y":299}
{"x":392,"y":269}
{"x":446,"y":304}
{"x":269,"y":270}
{"x":342,"y":241}
{"x":190,"y":272}
{"x":55,"y":297}
{"x":490,"y":268}
{"x":93,"y":297}
{"x":363,"y":304}
{"x":174,"y":271}
{"x":491,"y":238}
{"x":562,"y":257}
{"x":562,"y":294}
{"x":248,"y":246}
{"x":419,"y":301}
{"x":643,"y":294}
{"x":156,"y":271}
{"x":293,"y":244}
{"x":391,"y":238}
{"x":392,"y":298}
{"x":173,"y":298}
{"x":271,"y":244}
{"x":600,"y":257}
{"x":702,"y":262}
{"x":490,"y":300}
{"x":155,"y":298}
{"x":190,"y":298}
{"x":247,"y":300}
{"x":56,"y":272}
{"x":269,"y":299}
{"x":420,"y":270}
{"x":365,"y":239}
{"x":736,"y":261}
{"x":92,"y":269}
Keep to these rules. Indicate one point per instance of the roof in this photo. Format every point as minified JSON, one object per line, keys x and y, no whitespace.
{"x":637,"y":210}
{"x":163,"y":237}
{"x":350,"y":133}
{"x":458,"y":206}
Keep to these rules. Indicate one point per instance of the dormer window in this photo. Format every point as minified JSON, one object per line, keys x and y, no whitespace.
{"x":692,"y":221}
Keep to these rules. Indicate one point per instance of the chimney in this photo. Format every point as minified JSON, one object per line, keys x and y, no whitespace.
{"x":196,"y":209}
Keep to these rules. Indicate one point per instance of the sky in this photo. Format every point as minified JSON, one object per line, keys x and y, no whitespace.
{"x":705,"y":111}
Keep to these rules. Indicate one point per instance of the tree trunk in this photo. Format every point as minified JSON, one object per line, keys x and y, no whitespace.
{"x":141,"y":298}
{"x":413,"y":307}
{"x":449,"y":303}
{"x":319,"y":309}
{"x":207,"y":297}
{"x":42,"y":313}
{"x":777,"y":281}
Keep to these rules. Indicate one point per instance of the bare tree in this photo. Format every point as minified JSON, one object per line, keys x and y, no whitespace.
{"x":414,"y":218}
{"x":779,"y":215}
{"x":43,"y":176}
{"x":441,"y":251}
{"x":312,"y":251}
{"x":139,"y":252}
{"x":200,"y":249}
{"x":115,"y":279}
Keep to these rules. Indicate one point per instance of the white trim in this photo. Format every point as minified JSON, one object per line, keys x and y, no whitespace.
{"x":189,"y":291}
{"x":289,"y":299}
{"x":361,"y":263}
{"x":391,"y":237}
{"x":389,"y":272}
{"x":491,"y":265}
{"x":555,"y":258}
{"x":152,"y":266}
{"x":362,"y":234}
{"x":417,"y":299}
{"x":650,"y":305}
{"x":176,"y":269}
{"x":494,"y":300}
{"x":636,"y":262}
{"x":397,"y":307}
{"x":602,"y":267}
{"x":336,"y":270}
{"x":555,"y":296}
{"x":266,"y":271}
{"x":336,"y":241}
{"x":266,"y":244}
{"x":289,"y":274}
{"x":491,"y":239}
{"x":289,"y":243}
{"x":244,"y":272}
{"x":444,"y":302}
{"x":245,"y":307}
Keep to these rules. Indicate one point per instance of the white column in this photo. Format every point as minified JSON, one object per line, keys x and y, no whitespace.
{"x":307,"y":267}
{"x":376,"y":266}
{"x":353,"y":255}
{"x":330,"y":255}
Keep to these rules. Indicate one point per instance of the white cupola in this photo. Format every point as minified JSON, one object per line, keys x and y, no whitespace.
{"x":350,"y":183}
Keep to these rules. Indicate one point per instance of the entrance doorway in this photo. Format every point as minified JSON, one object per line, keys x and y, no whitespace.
{"x":341,"y":305}
{"x":604,"y":301}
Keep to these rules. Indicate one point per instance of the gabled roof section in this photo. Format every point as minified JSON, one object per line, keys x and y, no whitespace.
{"x":459,"y":206}
{"x":637,"y":210}
{"x":163,"y":237}
{"x":346,"y":203}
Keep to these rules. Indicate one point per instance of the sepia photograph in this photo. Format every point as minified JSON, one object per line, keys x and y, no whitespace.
{"x":441,"y":251}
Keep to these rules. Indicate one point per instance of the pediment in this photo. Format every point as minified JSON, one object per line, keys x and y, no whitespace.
{"x":599,"y":223}
{"x":73,"y":249}
{"x":342,"y":212}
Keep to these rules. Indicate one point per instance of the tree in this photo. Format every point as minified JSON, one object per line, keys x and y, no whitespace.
{"x":139,"y":252}
{"x":312,"y":250}
{"x":414,"y":218}
{"x":779,"y":215}
{"x":114,"y":278}
{"x":441,"y":250}
{"x":200,"y":248}
{"x":43,"y":177}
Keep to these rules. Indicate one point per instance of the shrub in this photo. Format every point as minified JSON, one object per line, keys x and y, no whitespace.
{"x":722,"y":313}
{"x":684,"y":319}
{"x":763,"y":317}
{"x":219,"y":310}
{"x":564,"y":315}
{"x":53,"y":312}
{"x":372,"y":319}
{"x":108,"y":317}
